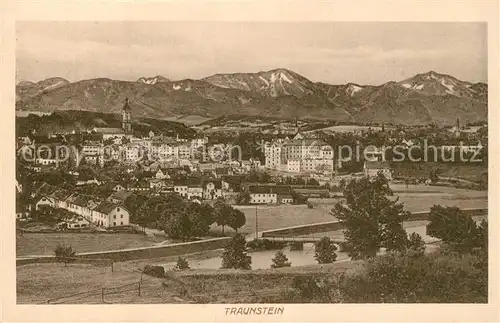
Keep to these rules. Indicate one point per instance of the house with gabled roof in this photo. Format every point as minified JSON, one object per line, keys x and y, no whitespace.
{"x":372,"y":168}
{"x":212,"y":189}
{"x":109,"y":214}
{"x":119,"y":197}
{"x":92,"y":209}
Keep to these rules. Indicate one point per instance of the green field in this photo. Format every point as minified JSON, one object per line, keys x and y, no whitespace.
{"x":45,"y":243}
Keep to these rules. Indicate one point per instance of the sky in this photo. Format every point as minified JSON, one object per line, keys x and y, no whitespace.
{"x":332,"y":52}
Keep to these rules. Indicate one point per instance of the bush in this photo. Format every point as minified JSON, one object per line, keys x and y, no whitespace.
{"x":310,"y":205}
{"x":310,"y":289}
{"x":455,"y":228}
{"x":280,"y":260}
{"x":265,"y":244}
{"x":155,"y":271}
{"x":182,"y":264}
{"x":432,"y":278}
{"x":345,"y":247}
{"x":64,"y":254}
{"x":396,"y":277}
{"x":325,"y":251}
{"x":416,"y":245}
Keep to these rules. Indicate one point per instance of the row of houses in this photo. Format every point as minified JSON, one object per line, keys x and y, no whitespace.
{"x":105,"y":213}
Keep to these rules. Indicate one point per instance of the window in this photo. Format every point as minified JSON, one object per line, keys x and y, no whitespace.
{"x":121,"y":222}
{"x":114,"y":216}
{"x":121,"y":216}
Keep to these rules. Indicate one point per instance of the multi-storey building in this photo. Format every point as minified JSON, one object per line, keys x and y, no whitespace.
{"x":299,"y":155}
{"x":273,"y":154}
{"x":93,"y":153}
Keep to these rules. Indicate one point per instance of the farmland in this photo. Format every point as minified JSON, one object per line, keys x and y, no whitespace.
{"x":415,"y":198}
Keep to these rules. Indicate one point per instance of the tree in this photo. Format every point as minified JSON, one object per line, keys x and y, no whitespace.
{"x":201,"y":216}
{"x":371,"y":220}
{"x":237,"y":219}
{"x":178,"y":226}
{"x":342,"y":184}
{"x":325,"y":251}
{"x":243,"y":198}
{"x":454,"y":228}
{"x":298,"y":198}
{"x":222,"y":213}
{"x":313,"y":182}
{"x":133,"y":203}
{"x":482,"y":236}
{"x":280,"y":260}
{"x":235,"y":254}
{"x":416,"y":245}
{"x":434,"y":175}
{"x":64,"y":254}
{"x":182,"y":264}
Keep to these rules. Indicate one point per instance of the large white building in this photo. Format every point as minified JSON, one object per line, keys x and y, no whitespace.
{"x":299,"y":155}
{"x":93,"y":153}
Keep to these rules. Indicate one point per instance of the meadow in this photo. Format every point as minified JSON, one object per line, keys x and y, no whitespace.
{"x":416,"y":198}
{"x":45,"y":243}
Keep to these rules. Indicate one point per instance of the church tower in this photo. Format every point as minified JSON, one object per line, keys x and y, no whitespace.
{"x":126,"y":117}
{"x":457,"y":128}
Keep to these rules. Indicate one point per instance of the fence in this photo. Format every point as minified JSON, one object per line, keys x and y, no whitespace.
{"x":98,"y":296}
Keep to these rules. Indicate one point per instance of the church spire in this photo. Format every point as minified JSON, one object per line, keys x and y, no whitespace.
{"x":126,"y":117}
{"x":126,"y":107}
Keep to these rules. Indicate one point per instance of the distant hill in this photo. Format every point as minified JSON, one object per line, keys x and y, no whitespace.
{"x":424,"y":98}
{"x":69,"y":120}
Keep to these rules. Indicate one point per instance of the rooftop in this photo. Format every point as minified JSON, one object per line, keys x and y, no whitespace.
{"x":109,"y":130}
{"x":377,"y":165}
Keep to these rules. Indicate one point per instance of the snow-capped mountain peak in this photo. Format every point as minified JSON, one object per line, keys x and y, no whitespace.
{"x":434,"y":83}
{"x":353,"y":88}
{"x":153,"y":80}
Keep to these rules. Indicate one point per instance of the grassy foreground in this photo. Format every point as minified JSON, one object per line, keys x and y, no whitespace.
{"x":433,"y":278}
{"x":38,"y":283}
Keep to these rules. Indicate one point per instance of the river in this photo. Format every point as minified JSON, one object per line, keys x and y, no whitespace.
{"x":262,"y":259}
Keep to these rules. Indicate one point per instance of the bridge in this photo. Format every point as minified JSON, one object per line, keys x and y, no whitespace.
{"x":298,"y":239}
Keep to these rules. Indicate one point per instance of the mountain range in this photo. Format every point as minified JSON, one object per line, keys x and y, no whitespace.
{"x":424,"y":98}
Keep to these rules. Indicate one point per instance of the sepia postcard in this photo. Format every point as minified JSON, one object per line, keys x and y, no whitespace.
{"x":249,"y":161}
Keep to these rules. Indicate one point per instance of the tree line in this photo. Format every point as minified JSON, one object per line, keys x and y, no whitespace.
{"x":182,"y":218}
